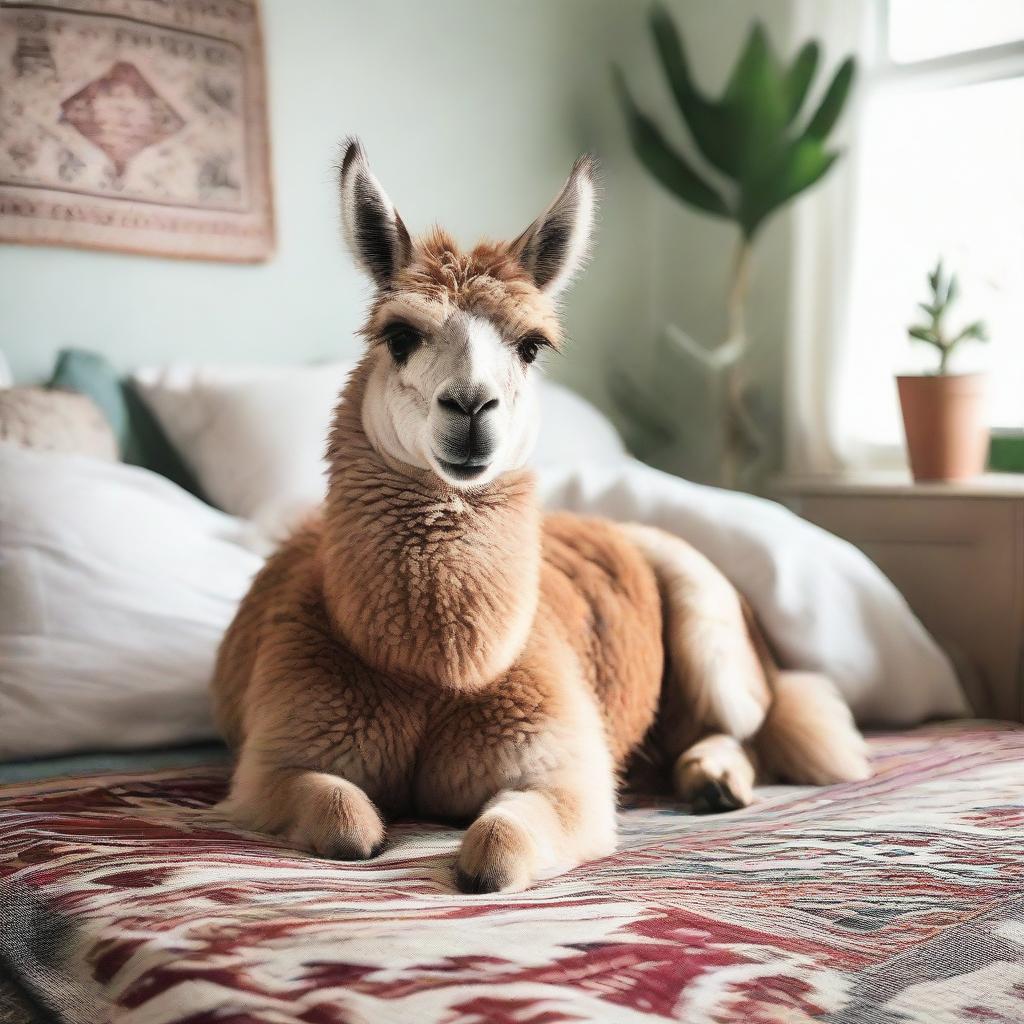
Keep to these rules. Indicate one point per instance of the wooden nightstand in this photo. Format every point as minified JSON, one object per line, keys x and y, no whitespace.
{"x":955,"y":551}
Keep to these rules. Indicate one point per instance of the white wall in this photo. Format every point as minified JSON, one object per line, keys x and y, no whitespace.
{"x":472,"y":113}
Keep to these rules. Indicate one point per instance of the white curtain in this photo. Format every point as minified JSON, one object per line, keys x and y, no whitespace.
{"x":823,"y":223}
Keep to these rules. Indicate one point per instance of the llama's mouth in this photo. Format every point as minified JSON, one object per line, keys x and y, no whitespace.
{"x":462,"y":471}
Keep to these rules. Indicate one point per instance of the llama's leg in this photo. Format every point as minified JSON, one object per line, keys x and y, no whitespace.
{"x":810,"y":735}
{"x":715,"y":774}
{"x":551,"y":801}
{"x":522,"y":835}
{"x":716,"y":668}
{"x":322,"y":813}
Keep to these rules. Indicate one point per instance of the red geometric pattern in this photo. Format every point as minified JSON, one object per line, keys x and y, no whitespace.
{"x":893,"y":900}
{"x":122,"y":114}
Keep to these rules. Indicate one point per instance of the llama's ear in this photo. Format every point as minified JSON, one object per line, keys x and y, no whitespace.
{"x":556,"y":245}
{"x":376,"y":236}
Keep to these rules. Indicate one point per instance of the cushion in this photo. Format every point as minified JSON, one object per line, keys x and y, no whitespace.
{"x":573,"y":430}
{"x":55,"y":421}
{"x":255,"y":435}
{"x":896,"y":900}
{"x":115,"y":588}
{"x":140,"y":438}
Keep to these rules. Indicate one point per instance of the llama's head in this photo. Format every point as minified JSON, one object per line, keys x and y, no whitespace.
{"x":453,"y":335}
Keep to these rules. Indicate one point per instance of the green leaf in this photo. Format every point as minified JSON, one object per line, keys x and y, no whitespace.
{"x":924,"y":334}
{"x":662,"y":161}
{"x":797,"y":168}
{"x":832,"y":102}
{"x":756,"y":65}
{"x":952,"y":289}
{"x":703,"y":117}
{"x":975,"y":331}
{"x":755,"y":106}
{"x":799,"y":77}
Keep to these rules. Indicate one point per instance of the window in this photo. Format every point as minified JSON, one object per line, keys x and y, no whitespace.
{"x":922,"y":29}
{"x":940,"y":172}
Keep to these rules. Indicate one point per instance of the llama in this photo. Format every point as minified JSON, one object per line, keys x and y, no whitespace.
{"x":432,"y":644}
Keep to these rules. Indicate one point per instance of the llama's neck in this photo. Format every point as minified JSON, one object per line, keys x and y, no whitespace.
{"x":421,"y":580}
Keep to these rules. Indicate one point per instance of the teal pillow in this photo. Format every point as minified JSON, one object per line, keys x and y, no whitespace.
{"x":140,"y":438}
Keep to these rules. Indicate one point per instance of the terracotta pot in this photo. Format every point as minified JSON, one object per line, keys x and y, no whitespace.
{"x":943,"y":417}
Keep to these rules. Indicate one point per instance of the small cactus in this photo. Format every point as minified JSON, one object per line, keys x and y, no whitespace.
{"x":944,"y":291}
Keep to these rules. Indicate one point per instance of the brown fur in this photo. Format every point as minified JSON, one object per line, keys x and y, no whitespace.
{"x":463,"y":569}
{"x":417,"y":600}
{"x":425,"y":650}
{"x":487,"y":281}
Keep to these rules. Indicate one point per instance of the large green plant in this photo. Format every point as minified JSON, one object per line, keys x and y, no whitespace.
{"x":754,"y":150}
{"x":753,"y":134}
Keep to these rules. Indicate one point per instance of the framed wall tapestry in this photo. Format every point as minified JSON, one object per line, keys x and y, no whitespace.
{"x":136,"y":125}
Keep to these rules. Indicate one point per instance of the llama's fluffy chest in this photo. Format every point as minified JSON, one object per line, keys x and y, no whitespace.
{"x":441,"y":755}
{"x":594,"y":651}
{"x":441,"y":758}
{"x":596,"y":640}
{"x":434,"y":587}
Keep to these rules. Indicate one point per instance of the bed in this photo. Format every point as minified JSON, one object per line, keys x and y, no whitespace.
{"x":893,"y":900}
{"x":125,"y":897}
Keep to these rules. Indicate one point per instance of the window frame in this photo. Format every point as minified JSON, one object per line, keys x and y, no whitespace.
{"x":967,"y":67}
{"x":883,"y":76}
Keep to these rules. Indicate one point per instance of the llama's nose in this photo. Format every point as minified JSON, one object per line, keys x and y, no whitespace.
{"x":472,"y":401}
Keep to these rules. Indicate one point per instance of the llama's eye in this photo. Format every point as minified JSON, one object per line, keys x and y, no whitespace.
{"x":529,"y":345}
{"x":401,"y":340}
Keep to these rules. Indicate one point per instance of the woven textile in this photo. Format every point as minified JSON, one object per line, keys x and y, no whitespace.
{"x":899,"y":899}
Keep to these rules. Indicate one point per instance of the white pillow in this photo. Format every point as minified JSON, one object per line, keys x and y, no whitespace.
{"x":572,"y":430}
{"x":115,"y":589}
{"x":824,"y":605}
{"x":255,"y":435}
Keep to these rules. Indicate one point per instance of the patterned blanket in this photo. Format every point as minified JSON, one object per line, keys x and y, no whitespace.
{"x":899,"y":899}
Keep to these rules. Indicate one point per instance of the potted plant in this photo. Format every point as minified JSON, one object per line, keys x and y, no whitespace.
{"x":943,"y":412}
{"x":755,"y":149}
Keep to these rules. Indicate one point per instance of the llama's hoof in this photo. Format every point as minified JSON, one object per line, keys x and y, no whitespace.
{"x":334,"y":819}
{"x":715,"y":775}
{"x":475,"y":885}
{"x":714,"y":797}
{"x":339,"y":845}
{"x":349,"y":848}
{"x":496,"y":856}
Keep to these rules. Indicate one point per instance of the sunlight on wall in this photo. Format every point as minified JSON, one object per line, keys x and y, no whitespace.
{"x":951,"y":26}
{"x":966,"y":206}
